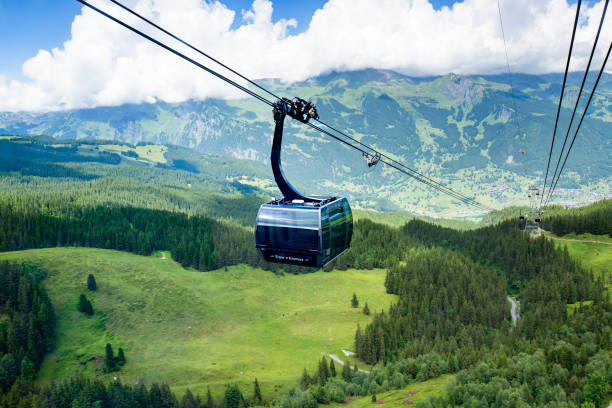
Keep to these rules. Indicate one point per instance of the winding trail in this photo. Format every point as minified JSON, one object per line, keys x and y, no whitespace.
{"x":583,"y":240}
{"x":515,"y":310}
{"x":341,"y":362}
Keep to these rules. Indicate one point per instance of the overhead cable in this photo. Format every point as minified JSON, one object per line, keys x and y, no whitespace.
{"x":501,"y":23}
{"x":603,"y":66}
{"x":569,"y":56}
{"x":390,"y":162}
{"x":586,"y":72}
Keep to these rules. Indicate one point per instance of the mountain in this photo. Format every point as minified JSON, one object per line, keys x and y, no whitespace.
{"x":469,"y":132}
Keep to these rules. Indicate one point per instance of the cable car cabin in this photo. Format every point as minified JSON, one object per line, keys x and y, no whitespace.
{"x":537,"y":219}
{"x":522,"y":217}
{"x":300,"y":232}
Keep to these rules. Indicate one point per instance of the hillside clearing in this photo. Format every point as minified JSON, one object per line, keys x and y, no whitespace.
{"x":398,"y":398}
{"x":193,"y":329}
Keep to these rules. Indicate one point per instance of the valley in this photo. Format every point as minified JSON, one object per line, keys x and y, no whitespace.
{"x":460,"y":130}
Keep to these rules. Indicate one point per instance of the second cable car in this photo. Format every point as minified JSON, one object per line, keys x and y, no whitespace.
{"x":298,"y":229}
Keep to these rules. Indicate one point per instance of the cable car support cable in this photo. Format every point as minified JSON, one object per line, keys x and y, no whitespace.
{"x":586,"y":72}
{"x":569,"y":56}
{"x":501,"y":23}
{"x":388,"y":160}
{"x":603,"y":66}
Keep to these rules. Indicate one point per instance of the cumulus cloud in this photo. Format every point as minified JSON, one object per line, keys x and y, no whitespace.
{"x":104,"y":64}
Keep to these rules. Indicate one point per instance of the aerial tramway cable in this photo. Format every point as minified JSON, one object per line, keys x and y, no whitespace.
{"x":603,"y":66}
{"x":501,"y":23}
{"x":586,"y":72}
{"x":387,"y":160}
{"x":569,"y":56}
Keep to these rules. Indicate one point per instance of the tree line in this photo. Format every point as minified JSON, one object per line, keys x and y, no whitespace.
{"x":27,"y":330}
{"x":597,"y":221}
{"x":446,"y":303}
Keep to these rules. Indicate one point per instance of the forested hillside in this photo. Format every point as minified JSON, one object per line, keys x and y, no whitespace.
{"x":451,"y":316}
{"x":27,"y":325}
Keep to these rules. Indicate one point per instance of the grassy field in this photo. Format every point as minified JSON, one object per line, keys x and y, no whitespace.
{"x":193,"y":329}
{"x":592,"y":255}
{"x":396,"y":398}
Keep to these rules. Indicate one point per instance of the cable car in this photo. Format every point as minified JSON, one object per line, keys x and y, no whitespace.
{"x":304,"y":232}
{"x":299,"y":229}
{"x":521,"y":217}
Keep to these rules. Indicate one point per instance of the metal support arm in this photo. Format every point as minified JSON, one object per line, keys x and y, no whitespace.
{"x":302,"y":111}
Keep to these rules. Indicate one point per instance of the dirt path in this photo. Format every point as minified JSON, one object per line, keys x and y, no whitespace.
{"x":584,"y":240}
{"x":341,"y":362}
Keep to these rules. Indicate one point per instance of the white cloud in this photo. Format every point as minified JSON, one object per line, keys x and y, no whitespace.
{"x":104,"y":64}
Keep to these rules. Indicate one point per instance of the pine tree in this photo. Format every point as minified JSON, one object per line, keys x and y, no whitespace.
{"x":109,"y":359}
{"x":91,"y":283}
{"x":354,"y":301}
{"x":305,"y":381}
{"x":323,"y":370}
{"x":82,"y":306}
{"x":359,"y":350}
{"x":366,"y":309}
{"x":120,"y":357}
{"x":232,"y":397}
{"x":346,"y":372}
{"x":332,"y":368}
{"x":27,"y":369}
{"x":89,"y":308}
{"x":257,"y":393}
{"x":209,"y":399}
{"x":189,"y":401}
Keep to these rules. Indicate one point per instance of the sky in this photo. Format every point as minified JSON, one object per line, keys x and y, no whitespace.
{"x":57,"y":55}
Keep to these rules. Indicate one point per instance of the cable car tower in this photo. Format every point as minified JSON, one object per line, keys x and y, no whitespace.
{"x":300,"y":229}
{"x":532,"y":219}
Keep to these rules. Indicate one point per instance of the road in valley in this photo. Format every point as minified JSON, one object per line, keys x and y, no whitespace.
{"x":515,"y":310}
{"x":341,"y":362}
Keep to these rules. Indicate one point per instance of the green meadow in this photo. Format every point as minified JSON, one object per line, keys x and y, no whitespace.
{"x":192,"y":329}
{"x":596,"y":256}
{"x":400,"y":398}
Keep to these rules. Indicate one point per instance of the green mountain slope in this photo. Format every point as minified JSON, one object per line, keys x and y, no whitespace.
{"x":193,"y":329}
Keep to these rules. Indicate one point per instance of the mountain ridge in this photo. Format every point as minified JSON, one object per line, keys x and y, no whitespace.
{"x":468,"y":130}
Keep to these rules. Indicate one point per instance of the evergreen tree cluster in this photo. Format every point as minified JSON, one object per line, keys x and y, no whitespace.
{"x":194,"y":241}
{"x":324,"y":388}
{"x":85,"y":306}
{"x":446,"y":302}
{"x":595,"y":219}
{"x":571,"y":368}
{"x":374,"y":246}
{"x":141,"y":231}
{"x":112,"y":362}
{"x":27,"y":330}
{"x":86,"y":392}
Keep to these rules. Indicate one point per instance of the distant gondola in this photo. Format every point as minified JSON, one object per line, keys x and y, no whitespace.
{"x":297,"y":229}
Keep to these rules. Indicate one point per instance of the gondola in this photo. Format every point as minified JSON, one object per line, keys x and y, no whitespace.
{"x":299,"y":229}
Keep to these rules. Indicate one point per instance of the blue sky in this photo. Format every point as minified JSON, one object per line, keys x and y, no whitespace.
{"x":29,"y":25}
{"x":408,"y":36}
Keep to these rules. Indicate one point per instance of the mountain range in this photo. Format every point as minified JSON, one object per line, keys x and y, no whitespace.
{"x":475,"y":134}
